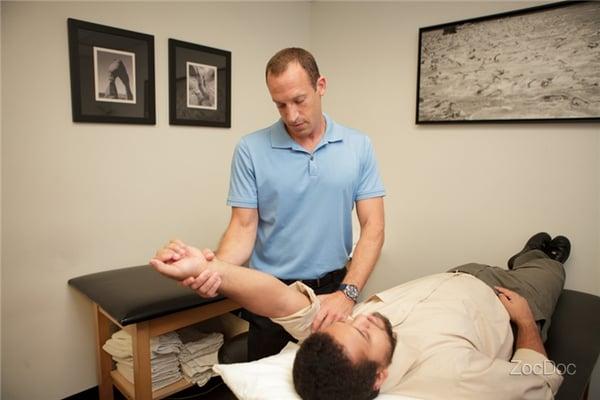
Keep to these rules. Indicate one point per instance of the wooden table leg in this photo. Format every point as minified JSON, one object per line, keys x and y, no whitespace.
{"x":142,"y":373}
{"x":104,"y":360}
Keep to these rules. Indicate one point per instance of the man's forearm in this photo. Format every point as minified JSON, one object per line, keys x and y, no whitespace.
{"x":235,"y":247}
{"x":256,"y":291}
{"x":365,"y":255}
{"x":237,"y":242}
{"x":528,"y":337}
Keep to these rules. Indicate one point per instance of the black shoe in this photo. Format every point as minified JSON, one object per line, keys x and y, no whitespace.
{"x":539,"y":241}
{"x":559,"y":249}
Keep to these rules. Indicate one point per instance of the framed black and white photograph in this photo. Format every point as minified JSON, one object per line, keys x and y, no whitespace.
{"x":534,"y":64}
{"x":199,"y":85}
{"x":112,"y":74}
{"x":202,"y":86}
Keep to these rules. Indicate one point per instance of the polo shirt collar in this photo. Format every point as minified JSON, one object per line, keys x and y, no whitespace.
{"x":282,"y":140}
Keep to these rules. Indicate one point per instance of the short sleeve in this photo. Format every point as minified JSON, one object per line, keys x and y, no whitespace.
{"x":370,"y":184}
{"x":242,"y":183}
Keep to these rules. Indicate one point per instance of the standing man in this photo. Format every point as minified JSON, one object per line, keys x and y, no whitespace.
{"x":293,"y":187}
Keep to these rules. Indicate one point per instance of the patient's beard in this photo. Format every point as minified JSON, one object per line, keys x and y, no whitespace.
{"x":388,"y":330}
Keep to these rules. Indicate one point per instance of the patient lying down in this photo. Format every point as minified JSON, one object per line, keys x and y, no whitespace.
{"x":444,"y":336}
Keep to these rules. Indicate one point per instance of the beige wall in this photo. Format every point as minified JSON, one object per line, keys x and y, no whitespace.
{"x":80,"y":198}
{"x":1,"y":225}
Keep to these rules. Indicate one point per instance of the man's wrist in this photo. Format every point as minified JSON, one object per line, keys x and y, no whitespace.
{"x":526,"y":324}
{"x":350,"y":291}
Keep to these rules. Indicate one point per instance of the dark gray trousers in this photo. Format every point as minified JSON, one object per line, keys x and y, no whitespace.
{"x":535,"y":276}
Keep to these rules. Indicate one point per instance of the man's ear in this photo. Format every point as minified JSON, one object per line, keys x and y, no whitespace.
{"x":380,"y":377}
{"x":321,"y":85}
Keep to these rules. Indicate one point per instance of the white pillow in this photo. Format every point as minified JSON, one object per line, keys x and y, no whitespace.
{"x":269,"y":378}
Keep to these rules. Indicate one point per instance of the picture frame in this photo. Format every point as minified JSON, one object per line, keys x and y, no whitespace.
{"x":199,"y":85}
{"x":530,"y":65}
{"x":112,"y":74}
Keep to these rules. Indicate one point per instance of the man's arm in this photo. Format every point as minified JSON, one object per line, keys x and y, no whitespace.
{"x":254,"y":290}
{"x":238,"y":240}
{"x":528,"y":335}
{"x":368,"y":248}
{"x":235,"y":247}
{"x":337,"y":306}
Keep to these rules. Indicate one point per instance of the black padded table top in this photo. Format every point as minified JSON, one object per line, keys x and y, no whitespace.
{"x":137,"y":294}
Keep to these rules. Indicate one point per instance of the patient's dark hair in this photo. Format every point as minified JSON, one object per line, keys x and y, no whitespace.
{"x":323,"y":371}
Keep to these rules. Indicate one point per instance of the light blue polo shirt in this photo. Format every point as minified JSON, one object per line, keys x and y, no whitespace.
{"x":304,"y":199}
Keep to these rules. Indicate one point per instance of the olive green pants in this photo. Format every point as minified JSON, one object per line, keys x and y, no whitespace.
{"x":534,"y":276}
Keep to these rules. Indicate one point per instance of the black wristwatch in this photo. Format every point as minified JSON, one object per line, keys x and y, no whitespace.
{"x":351,"y":291}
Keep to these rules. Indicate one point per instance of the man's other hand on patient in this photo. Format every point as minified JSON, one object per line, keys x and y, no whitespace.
{"x":335,"y":307}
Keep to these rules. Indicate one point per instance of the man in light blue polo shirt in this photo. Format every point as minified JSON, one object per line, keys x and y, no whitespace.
{"x":292,"y":191}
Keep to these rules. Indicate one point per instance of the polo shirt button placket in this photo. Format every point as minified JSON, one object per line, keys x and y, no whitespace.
{"x":312,"y":166}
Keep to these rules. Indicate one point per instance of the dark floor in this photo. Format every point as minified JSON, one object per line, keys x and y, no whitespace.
{"x":215,"y":389}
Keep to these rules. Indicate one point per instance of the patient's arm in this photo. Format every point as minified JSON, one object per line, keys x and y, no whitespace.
{"x":528,"y":335}
{"x":256,"y":291}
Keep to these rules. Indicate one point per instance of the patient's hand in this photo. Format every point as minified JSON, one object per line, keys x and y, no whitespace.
{"x":179,"y":261}
{"x":171,"y":252}
{"x":516,"y":305}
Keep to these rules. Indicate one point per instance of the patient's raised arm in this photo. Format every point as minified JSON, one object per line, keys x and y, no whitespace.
{"x":254,"y":290}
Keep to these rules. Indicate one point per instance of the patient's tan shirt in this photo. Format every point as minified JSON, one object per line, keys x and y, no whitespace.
{"x":454,"y":341}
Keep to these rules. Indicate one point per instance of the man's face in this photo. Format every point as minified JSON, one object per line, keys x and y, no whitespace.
{"x":366,"y":337}
{"x":297,"y":101}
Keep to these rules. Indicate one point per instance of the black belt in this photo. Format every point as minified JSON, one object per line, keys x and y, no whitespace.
{"x":325,"y":280}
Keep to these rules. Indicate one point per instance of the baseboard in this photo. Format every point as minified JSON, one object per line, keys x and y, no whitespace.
{"x":92,"y":394}
{"x":88,"y":394}
{"x":215,"y":389}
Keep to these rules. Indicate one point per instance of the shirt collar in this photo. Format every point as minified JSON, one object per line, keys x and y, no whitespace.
{"x":282,"y":140}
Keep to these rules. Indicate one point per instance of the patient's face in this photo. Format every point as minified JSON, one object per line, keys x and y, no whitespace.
{"x":366,"y":337}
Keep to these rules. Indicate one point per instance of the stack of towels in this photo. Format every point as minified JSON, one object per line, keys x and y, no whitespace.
{"x":163,"y":357}
{"x":188,"y":350}
{"x":199,"y":353}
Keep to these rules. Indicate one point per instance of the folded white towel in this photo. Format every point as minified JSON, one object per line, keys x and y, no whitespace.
{"x":158,"y":382}
{"x":189,"y":350}
{"x":160,"y":363}
{"x":200,"y":379}
{"x":164,"y":362}
{"x":120,"y":344}
{"x":207,"y":344}
{"x":209,"y":359}
{"x":199,"y":353}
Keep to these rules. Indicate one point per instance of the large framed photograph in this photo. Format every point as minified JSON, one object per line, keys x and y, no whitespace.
{"x":112,"y":74}
{"x":535,"y":64}
{"x":199,"y":85}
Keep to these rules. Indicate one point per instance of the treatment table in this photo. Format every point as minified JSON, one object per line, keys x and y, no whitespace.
{"x":144,"y":304}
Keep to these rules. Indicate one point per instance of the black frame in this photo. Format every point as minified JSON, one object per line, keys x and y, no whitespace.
{"x":89,"y":104}
{"x":449,"y":106}
{"x":217,"y":111}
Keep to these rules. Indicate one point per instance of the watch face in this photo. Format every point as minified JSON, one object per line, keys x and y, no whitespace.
{"x":351,"y":291}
